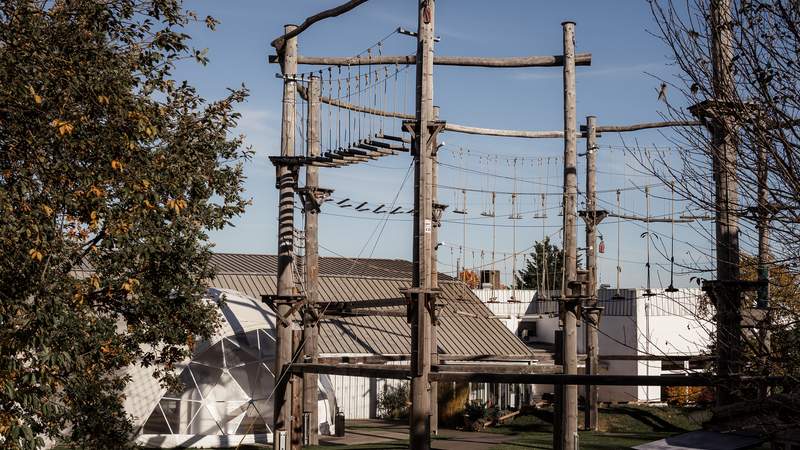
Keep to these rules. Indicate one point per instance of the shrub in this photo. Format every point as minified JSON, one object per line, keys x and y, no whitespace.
{"x":394,"y":401}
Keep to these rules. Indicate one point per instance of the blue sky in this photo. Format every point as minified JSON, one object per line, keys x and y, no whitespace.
{"x":619,"y":88}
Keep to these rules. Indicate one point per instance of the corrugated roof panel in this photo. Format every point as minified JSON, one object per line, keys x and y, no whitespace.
{"x":458,"y":333}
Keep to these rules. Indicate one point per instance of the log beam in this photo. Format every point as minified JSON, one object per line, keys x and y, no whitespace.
{"x":581,"y":59}
{"x":645,"y":126}
{"x":280,"y":41}
{"x":490,"y":375}
{"x":504,"y":133}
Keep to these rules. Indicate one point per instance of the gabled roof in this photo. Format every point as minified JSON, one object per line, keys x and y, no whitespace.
{"x":242,"y":263}
{"x":467,"y":327}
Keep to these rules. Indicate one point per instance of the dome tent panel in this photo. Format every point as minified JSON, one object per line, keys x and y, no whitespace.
{"x":228,"y":385}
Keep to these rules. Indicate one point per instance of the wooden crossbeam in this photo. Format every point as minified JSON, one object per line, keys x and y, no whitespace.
{"x":655,"y":358}
{"x":504,"y":133}
{"x":375,"y":359}
{"x":396,"y":372}
{"x":650,"y":219}
{"x":581,"y":59}
{"x":498,"y":368}
{"x":366,"y":313}
{"x":645,"y":126}
{"x":490,"y":374}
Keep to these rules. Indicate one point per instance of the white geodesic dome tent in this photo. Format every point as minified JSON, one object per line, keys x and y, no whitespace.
{"x":228,"y":386}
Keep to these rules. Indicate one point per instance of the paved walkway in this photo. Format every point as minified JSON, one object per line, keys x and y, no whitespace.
{"x":386,"y":432}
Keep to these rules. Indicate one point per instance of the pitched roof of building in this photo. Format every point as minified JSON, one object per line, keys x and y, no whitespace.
{"x":466,"y":326}
{"x":242,"y":263}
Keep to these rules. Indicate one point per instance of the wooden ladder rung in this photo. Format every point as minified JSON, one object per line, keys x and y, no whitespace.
{"x":388,"y":137}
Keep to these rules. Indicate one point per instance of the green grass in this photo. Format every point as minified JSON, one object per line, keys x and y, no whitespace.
{"x":621,"y":426}
{"x":587,"y":440}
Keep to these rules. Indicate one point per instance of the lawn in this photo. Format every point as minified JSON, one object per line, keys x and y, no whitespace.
{"x":621,"y":427}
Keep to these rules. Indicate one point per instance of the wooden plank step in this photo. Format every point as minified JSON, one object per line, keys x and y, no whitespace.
{"x":388,"y":137}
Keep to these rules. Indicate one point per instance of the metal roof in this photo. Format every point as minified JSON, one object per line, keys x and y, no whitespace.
{"x":466,"y":326}
{"x":240,"y":263}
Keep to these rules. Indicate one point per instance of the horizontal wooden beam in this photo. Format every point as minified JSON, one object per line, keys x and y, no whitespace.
{"x":505,"y":133}
{"x":395,"y":372}
{"x":375,"y":359}
{"x":365,"y":359}
{"x":303,"y":91}
{"x":365,"y":313}
{"x":675,"y":358}
{"x":490,"y":375}
{"x":649,"y":219}
{"x":645,"y":126}
{"x":280,"y":41}
{"x":522,"y":358}
{"x":599,"y":380}
{"x":581,"y":59}
{"x":498,"y":368}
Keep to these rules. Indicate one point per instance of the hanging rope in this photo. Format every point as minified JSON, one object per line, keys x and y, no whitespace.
{"x":671,"y":287}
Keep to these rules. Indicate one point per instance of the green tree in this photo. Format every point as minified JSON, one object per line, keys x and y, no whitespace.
{"x":111,"y":173}
{"x":543,"y":267}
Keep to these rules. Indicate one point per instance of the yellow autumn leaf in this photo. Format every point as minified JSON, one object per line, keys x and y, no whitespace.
{"x":129,"y":284}
{"x":93,"y":220}
{"x":62,"y":126}
{"x":102,"y":99}
{"x":177,"y":204}
{"x":96,"y":191}
{"x":47,"y":210}
{"x":148,"y":204}
{"x":36,"y":97}
{"x":35,"y":254}
{"x":150,"y":131}
{"x":95,"y":280}
{"x":116,"y":165}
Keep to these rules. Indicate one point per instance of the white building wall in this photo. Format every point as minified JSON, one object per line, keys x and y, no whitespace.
{"x":663,"y":324}
{"x":357,"y":397}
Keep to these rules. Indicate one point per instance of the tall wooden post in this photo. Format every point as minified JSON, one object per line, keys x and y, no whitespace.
{"x":296,"y":383}
{"x":763,"y":218}
{"x":569,"y":307}
{"x":310,"y":330}
{"x":724,"y":149}
{"x":424,"y":264}
{"x":435,"y":275}
{"x":591,"y":313}
{"x":285,"y":288}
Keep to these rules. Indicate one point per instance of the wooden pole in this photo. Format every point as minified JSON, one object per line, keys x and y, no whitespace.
{"x":591,"y":312}
{"x":569,"y":409}
{"x":296,"y":383}
{"x":724,"y":149}
{"x":285,"y":287}
{"x":310,"y":330}
{"x":419,"y":426}
{"x":434,"y":278}
{"x":763,"y":211}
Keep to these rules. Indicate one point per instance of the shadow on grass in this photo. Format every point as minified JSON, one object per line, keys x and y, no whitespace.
{"x":646,"y":418}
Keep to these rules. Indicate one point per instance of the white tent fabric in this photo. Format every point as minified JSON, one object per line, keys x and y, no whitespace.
{"x":228,"y":385}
